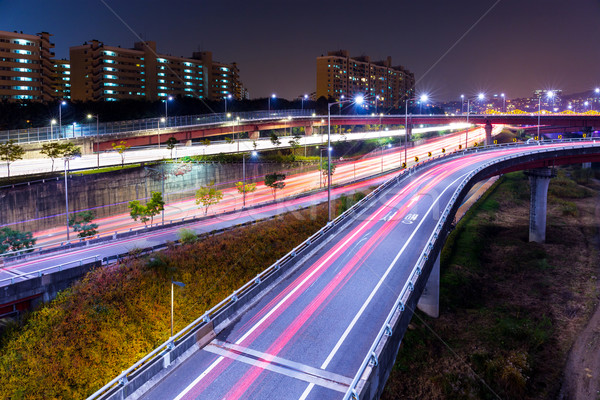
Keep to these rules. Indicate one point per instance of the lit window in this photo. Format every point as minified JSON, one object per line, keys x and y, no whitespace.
{"x":18,"y":51}
{"x":109,"y":53}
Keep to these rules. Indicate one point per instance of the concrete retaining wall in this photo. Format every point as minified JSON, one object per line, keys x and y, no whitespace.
{"x":42,"y":204}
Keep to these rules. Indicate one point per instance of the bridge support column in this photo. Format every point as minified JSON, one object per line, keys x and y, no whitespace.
{"x":308,"y":130}
{"x":539,"y":179}
{"x":254,"y":135}
{"x":488,"y":133}
{"x":429,"y":302}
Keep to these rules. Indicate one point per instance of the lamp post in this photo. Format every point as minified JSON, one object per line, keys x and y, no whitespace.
{"x":549,"y":94}
{"x":376,"y":98}
{"x":52,"y":123}
{"x":62,"y":103}
{"x":74,"y":125}
{"x":480,"y":96}
{"x":180,"y":284}
{"x":252,"y":154}
{"x":503,"y":102}
{"x":269,"y":101}
{"x":304,"y":98}
{"x":163,"y":177}
{"x":228,"y":97}
{"x":357,"y":100}
{"x":587,"y":103}
{"x":166,"y":116}
{"x":462,"y":103}
{"x":67,"y":198}
{"x":597,"y":91}
{"x":90,"y":116}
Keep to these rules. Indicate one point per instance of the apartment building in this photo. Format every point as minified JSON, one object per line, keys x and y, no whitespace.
{"x":382,"y":84}
{"x":101,"y":72}
{"x":61,"y":81}
{"x":26,"y":66}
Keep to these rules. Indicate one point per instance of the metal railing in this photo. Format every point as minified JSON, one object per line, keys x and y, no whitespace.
{"x":300,"y":250}
{"x":407,"y":289}
{"x":76,"y":130}
{"x":40,"y":272}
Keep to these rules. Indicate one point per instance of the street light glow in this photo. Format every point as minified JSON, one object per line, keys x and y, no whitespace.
{"x":481,"y":96}
{"x":359,"y":100}
{"x":424,"y":98}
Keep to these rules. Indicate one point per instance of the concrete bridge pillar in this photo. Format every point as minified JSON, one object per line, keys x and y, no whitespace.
{"x":254,"y":135}
{"x":308,"y":130}
{"x":488,"y":133}
{"x":429,"y":302}
{"x":539,"y":179}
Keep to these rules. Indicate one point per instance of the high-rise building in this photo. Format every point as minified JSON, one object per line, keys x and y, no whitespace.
{"x":101,"y":72}
{"x":26,"y":66}
{"x":339,"y":75}
{"x":62,"y":79}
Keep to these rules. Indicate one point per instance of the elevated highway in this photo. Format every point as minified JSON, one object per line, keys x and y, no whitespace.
{"x":326,"y":321}
{"x":318,"y":124}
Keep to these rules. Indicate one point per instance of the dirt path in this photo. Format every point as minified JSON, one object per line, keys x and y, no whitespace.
{"x":581,"y":380}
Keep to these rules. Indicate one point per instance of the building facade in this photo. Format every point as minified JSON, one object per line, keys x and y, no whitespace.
{"x":26,"y":66}
{"x":101,"y":72}
{"x":62,"y":79}
{"x":382,"y":84}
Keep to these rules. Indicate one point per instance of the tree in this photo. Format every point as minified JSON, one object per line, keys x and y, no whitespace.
{"x":10,"y":152}
{"x":275,"y":139}
{"x":68,"y":150}
{"x":147,"y":212}
{"x":52,"y":150}
{"x":247,"y":188}
{"x":254,"y":144}
{"x":294,"y":143}
{"x":171,"y":142}
{"x":207,"y":196}
{"x":11,"y":240}
{"x":275,"y":181}
{"x":325,"y":170}
{"x":120,"y":148}
{"x":82,"y":223}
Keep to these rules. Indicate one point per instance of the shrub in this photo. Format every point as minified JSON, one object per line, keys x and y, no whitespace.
{"x":187,"y":236}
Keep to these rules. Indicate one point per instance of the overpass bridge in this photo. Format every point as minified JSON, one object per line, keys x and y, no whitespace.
{"x":326,"y":321}
{"x":155,"y":131}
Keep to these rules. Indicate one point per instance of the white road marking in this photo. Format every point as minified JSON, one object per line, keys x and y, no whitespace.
{"x":374,"y":291}
{"x":280,"y":365}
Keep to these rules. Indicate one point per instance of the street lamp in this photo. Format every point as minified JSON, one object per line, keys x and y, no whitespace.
{"x":90,"y":116}
{"x":62,"y":103}
{"x":549,"y":94}
{"x":166,"y":113}
{"x":163,"y":177}
{"x":376,"y":98}
{"x":462,"y":103}
{"x":305,"y":97}
{"x":587,"y":103}
{"x":503,"y":102}
{"x":357,"y":100}
{"x":269,"y":101}
{"x":252,"y":154}
{"x":180,"y":284}
{"x":52,"y":123}
{"x":480,"y":96}
{"x":228,"y":97}
{"x":423,"y":99}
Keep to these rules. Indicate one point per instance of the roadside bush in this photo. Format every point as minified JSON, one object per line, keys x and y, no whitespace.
{"x":187,"y":236}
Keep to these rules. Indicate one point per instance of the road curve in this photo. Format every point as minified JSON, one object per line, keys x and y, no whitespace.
{"x":306,"y":338}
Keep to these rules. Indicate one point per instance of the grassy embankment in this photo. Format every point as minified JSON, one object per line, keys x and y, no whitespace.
{"x":113,"y":317}
{"x":510,"y":309}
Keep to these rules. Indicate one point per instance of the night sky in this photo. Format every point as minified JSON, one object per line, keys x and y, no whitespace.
{"x":518,"y":46}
